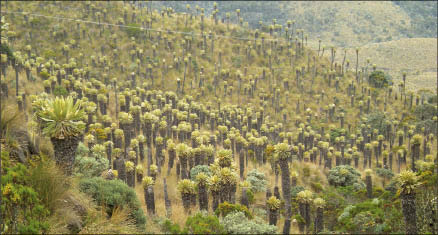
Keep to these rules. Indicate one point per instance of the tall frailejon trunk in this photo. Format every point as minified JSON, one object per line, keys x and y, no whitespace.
{"x":119,"y":165}
{"x":307,"y":216}
{"x":16,"y":82}
{"x":193,"y":199}
{"x":415,"y":155}
{"x":369,"y":186}
{"x":319,"y":220}
{"x":65,"y":152}
{"x":285,"y":185}
{"x":203,"y":197}
{"x":244,"y":198}
{"x":215,"y":196}
{"x":141,"y":150}
{"x":167,"y":201}
{"x":172,"y":155}
{"x":184,"y":174}
{"x":273,"y":217}
{"x":186,"y":202}
{"x":149,"y":198}
{"x":241,"y":164}
{"x":130,"y":178}
{"x":409,"y":212}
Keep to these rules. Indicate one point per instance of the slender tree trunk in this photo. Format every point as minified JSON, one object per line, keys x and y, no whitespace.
{"x":65,"y":152}
{"x":409,"y":212}
{"x":130,"y":178}
{"x":285,"y":181}
{"x":319,"y":220}
{"x":273,"y":217}
{"x":150,"y":200}
{"x":167,"y":201}
{"x":369,"y":186}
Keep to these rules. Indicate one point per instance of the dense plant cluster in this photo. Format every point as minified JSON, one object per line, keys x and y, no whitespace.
{"x":175,"y":114}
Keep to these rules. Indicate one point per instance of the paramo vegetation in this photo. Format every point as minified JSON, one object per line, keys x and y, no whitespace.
{"x":116,"y":118}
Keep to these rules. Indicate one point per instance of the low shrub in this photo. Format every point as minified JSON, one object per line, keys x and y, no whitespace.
{"x":257,"y":180}
{"x":22,"y":209}
{"x":345,"y":175}
{"x":225,"y":208}
{"x":60,"y":91}
{"x":201,"y":223}
{"x":89,"y":166}
{"x":379,"y":79}
{"x":198,"y":169}
{"x":113,"y":194}
{"x":237,"y":223}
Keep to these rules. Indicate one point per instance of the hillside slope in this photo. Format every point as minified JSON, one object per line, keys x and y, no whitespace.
{"x":345,"y":24}
{"x":415,"y":56}
{"x":162,"y":96}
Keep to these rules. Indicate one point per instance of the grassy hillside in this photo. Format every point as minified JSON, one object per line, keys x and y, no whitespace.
{"x":346,"y":24}
{"x":415,"y":56}
{"x":117,"y":99}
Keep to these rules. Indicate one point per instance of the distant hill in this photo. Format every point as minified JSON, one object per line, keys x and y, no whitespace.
{"x":415,"y":56}
{"x":338,"y":23}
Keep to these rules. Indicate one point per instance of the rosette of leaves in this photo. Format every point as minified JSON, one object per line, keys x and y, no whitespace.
{"x":408,"y":182}
{"x":273,"y":203}
{"x":147,"y":181}
{"x":153,"y":169}
{"x":224,"y":157}
{"x":228,"y":176}
{"x":98,"y":151}
{"x":183,"y":150}
{"x":282,"y":151}
{"x":129,"y":166}
{"x":186,"y":187}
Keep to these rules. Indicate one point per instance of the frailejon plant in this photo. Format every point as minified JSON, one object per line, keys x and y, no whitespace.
{"x":61,"y":120}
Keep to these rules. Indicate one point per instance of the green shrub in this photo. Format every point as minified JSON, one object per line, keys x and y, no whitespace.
{"x":60,"y":91}
{"x":201,"y":223}
{"x":198,"y":169}
{"x":225,"y":208}
{"x":250,"y":195}
{"x":295,"y":190}
{"x":238,"y":223}
{"x":364,"y":217}
{"x":345,"y":175}
{"x":21,"y":209}
{"x":257,"y":180}
{"x":169,"y":227}
{"x":5,"y":49}
{"x":335,"y":203}
{"x":379,"y":79}
{"x":89,"y":166}
{"x":112,"y":194}
{"x":377,"y":120}
{"x":425,"y":112}
{"x":335,"y":132}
